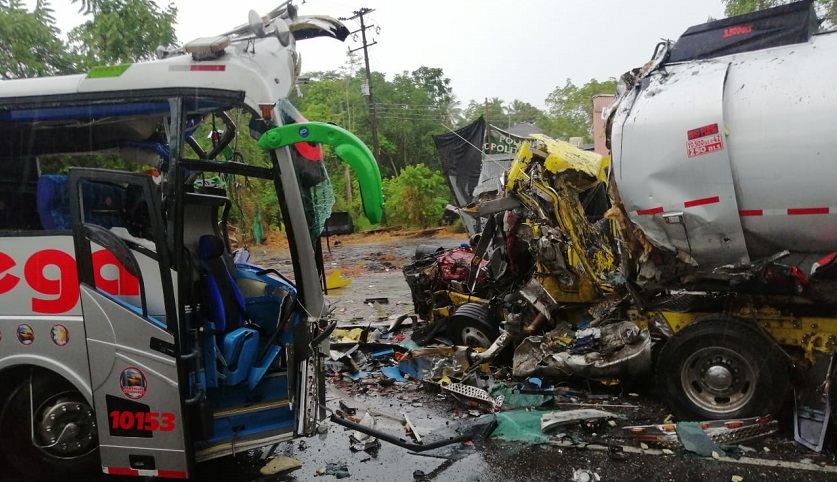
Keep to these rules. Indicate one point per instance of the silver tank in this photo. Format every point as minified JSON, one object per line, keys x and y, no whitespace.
{"x":733,"y":158}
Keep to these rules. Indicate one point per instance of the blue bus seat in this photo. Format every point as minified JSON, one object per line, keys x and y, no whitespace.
{"x":234,"y":345}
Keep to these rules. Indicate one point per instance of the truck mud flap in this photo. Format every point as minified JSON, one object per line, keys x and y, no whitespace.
{"x":812,"y":407}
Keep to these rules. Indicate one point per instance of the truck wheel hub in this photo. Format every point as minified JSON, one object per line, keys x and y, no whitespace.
{"x":719,"y":378}
{"x":475,"y":338}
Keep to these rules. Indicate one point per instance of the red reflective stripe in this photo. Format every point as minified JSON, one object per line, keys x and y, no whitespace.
{"x":121,"y":471}
{"x":171,"y":474}
{"x":797,"y":211}
{"x":701,"y":202}
{"x":750,"y":212}
{"x":657,"y":210}
{"x":208,"y":68}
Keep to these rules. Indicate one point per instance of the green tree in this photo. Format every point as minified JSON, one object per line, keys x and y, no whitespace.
{"x":571,"y":107}
{"x":408,"y":115}
{"x":122,"y":31}
{"x":494,"y":110}
{"x":826,"y":9}
{"x":416,"y":198}
{"x":410,"y":108}
{"x":29,"y":42}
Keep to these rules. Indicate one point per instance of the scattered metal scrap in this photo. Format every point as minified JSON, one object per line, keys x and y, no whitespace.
{"x":553,"y":420}
{"x":719,"y":431}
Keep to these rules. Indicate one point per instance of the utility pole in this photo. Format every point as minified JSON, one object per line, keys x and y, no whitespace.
{"x":373,"y":120}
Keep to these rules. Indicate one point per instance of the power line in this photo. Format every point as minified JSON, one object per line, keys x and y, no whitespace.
{"x":373,"y":121}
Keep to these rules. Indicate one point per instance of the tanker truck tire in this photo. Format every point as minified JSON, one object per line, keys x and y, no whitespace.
{"x":58,"y":408}
{"x":470,"y":325}
{"x":719,"y":369}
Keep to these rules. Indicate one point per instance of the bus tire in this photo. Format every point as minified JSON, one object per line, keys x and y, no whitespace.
{"x":58,"y":408}
{"x":719,"y":369}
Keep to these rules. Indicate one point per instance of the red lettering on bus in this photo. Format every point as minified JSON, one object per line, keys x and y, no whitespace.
{"x":125,"y":283}
{"x":65,"y":288}
{"x":9,"y":281}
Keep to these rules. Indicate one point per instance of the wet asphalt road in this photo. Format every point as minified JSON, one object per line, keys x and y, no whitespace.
{"x":491,"y":460}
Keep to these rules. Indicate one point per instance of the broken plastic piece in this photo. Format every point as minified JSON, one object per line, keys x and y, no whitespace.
{"x":335,"y":280}
{"x":694,"y":439}
{"x":383,"y":353}
{"x":393,"y":373}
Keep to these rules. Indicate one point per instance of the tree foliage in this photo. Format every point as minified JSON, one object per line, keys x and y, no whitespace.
{"x":416,"y":198}
{"x":826,"y":9}
{"x":29,"y":42}
{"x":116,"y":31}
{"x":411,"y":106}
{"x":570,"y":107}
{"x":122,"y":31}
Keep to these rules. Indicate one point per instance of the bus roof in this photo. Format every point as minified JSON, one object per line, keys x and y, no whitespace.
{"x":263,"y":68}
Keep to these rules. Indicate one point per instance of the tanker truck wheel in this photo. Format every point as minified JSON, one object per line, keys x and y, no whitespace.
{"x":720,"y":368}
{"x":60,"y":442}
{"x":470,"y":325}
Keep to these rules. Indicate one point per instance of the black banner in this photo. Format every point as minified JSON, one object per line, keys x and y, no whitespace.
{"x":461,"y":158}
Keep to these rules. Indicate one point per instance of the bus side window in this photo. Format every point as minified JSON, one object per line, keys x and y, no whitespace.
{"x":18,"y":185}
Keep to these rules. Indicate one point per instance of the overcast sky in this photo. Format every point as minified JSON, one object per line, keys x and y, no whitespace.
{"x":488,"y":48}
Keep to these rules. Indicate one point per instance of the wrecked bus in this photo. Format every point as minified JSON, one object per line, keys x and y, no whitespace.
{"x":132,"y":339}
{"x":702,"y":253}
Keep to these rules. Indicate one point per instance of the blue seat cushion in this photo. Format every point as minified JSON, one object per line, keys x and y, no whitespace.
{"x":239,"y":349}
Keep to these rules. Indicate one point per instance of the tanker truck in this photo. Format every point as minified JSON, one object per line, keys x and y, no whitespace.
{"x":701,"y":253}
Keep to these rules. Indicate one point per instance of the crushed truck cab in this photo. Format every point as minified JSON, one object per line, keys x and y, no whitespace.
{"x":701,"y":254}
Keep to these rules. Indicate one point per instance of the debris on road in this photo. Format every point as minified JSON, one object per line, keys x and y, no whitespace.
{"x":280,"y":464}
{"x":585,"y":475}
{"x":553,"y":420}
{"x":694,"y":439}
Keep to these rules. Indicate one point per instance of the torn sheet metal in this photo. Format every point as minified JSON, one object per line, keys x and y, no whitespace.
{"x":553,"y":420}
{"x":435,"y":363}
{"x":469,"y":394}
{"x":720,"y":431}
{"x":620,"y":349}
{"x":672,"y":166}
{"x":584,"y":168}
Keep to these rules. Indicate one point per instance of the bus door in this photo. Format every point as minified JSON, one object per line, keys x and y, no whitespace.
{"x":138,"y":394}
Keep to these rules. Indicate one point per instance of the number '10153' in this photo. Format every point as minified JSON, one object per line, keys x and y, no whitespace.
{"x":149,"y":421}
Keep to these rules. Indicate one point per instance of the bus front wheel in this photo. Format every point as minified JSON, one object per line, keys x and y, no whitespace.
{"x":48,"y":429}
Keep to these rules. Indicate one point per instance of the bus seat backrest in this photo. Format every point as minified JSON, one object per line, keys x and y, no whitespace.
{"x":103,"y":202}
{"x":237,"y":344}
{"x":222,"y":293}
{"x":53,"y":201}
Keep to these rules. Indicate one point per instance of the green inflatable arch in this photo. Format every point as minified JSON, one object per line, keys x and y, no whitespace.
{"x":348,"y":148}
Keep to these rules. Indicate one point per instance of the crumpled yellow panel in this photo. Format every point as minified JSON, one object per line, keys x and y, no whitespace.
{"x":564,"y":156}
